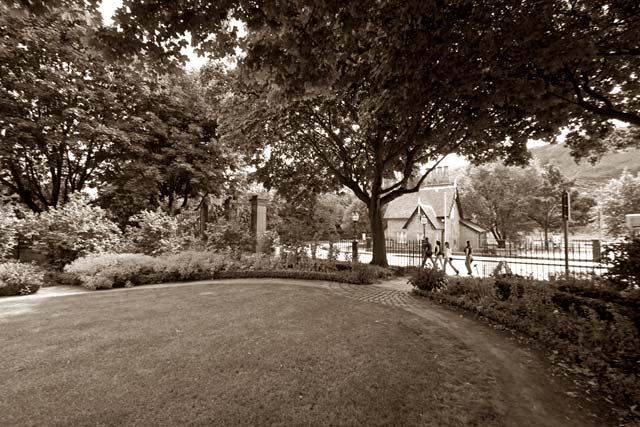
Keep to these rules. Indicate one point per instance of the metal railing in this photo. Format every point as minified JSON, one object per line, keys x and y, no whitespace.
{"x":532,"y":259}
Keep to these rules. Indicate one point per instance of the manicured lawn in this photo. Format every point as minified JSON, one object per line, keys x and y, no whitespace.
{"x":233,"y":354}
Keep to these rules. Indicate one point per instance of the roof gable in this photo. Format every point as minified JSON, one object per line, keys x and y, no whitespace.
{"x":404,"y":206}
{"x":436,"y":196}
{"x":427,"y":211}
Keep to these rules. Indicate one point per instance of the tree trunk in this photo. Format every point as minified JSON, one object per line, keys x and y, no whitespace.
{"x":546,"y":239}
{"x":377,"y":234}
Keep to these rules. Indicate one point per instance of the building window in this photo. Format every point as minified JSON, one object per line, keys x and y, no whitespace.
{"x":401,"y":237}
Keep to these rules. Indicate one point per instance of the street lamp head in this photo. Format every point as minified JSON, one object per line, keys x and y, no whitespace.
{"x":355,"y":216}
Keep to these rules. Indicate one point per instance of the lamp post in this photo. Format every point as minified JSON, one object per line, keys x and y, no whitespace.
{"x":424,"y":221}
{"x":354,"y":246}
{"x":566,"y":217}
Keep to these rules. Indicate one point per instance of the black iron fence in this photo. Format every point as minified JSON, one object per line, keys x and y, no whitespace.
{"x":583,"y":250}
{"x":531,"y":259}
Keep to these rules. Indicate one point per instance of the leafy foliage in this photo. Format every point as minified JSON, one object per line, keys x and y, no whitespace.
{"x":306,"y":216}
{"x":66,"y":109}
{"x":620,"y":197}
{"x":8,"y":231}
{"x":101,"y":271}
{"x":596,"y":330}
{"x":429,"y":279}
{"x":623,"y":259}
{"x":73,"y":118}
{"x":154,"y":232}
{"x":108,"y":270}
{"x":19,"y":279}
{"x":67,"y":232}
{"x":497,"y":197}
{"x":510,"y":201}
{"x":544,"y":205}
{"x":174,"y":155}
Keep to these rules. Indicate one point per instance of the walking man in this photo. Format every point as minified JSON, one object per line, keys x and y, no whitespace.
{"x":427,"y":252}
{"x":468,"y":259}
{"x":448,"y":259}
{"x":437,"y":251}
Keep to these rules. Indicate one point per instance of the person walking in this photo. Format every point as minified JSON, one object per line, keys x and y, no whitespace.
{"x":426,"y":252}
{"x":437,"y":251}
{"x":468,"y":259}
{"x":448,"y":259}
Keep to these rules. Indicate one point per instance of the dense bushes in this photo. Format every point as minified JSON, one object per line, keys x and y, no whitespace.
{"x":105,"y":271}
{"x":19,"y":279}
{"x":624,"y":264}
{"x":429,"y":279}
{"x":70,"y":231}
{"x":8,"y":231}
{"x":597,"y":329}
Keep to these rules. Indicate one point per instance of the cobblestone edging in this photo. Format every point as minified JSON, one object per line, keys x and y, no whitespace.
{"x":382,"y":295}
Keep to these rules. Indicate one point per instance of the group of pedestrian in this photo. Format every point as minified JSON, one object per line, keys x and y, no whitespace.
{"x":443,"y":255}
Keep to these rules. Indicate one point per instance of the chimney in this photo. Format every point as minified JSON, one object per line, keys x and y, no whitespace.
{"x":445,"y":174}
{"x":441,"y":175}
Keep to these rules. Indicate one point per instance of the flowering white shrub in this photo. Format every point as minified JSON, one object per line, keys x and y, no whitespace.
{"x":104,"y":270}
{"x":157,"y":232}
{"x":8,"y":231}
{"x":19,"y":279}
{"x":74,"y":229}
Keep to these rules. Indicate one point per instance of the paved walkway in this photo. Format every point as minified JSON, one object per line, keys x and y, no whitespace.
{"x":532,"y":395}
{"x":395,"y":292}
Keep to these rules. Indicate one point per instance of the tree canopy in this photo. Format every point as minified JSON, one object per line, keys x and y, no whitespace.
{"x":63,"y":108}
{"x":72,"y":119}
{"x":371,"y":91}
{"x":511,"y":201}
{"x":543,"y":204}
{"x":621,"y":196}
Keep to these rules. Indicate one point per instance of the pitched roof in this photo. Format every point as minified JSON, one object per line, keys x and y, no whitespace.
{"x":435,"y":197}
{"x":472,"y":225}
{"x":428,"y":211}
{"x":404,"y":206}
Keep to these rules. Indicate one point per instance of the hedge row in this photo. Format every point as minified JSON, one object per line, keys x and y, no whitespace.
{"x":106,"y":271}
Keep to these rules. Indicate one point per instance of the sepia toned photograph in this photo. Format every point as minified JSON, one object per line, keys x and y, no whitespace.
{"x":320,"y":213}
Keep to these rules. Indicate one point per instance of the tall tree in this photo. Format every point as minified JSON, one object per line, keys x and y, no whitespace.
{"x":70,"y":118}
{"x":174,"y":155}
{"x":618,"y":198}
{"x":372,"y":88}
{"x":544,"y":199}
{"x":497,"y":197}
{"x":64,"y":109}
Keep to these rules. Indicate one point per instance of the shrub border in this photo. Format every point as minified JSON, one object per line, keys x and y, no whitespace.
{"x":608,"y":383}
{"x":340,"y":277}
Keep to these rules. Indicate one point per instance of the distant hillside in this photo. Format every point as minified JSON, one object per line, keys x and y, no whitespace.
{"x":584,"y":173}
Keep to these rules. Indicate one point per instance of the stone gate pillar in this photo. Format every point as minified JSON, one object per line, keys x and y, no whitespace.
{"x":258,"y":217}
{"x":204,"y":216}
